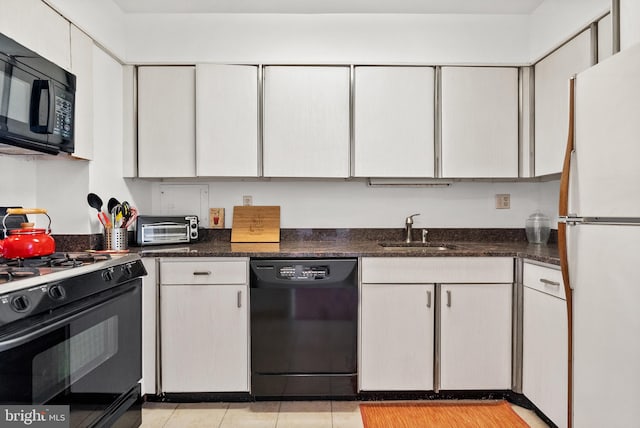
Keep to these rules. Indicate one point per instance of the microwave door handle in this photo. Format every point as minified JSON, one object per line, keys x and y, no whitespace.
{"x":40,"y":86}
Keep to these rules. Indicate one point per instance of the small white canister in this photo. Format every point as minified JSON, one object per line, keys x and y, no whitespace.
{"x":537,"y":228}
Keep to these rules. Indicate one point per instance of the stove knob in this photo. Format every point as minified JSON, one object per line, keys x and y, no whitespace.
{"x":56,"y":292}
{"x":127,"y":271}
{"x":20,"y":303}
{"x":107,"y":275}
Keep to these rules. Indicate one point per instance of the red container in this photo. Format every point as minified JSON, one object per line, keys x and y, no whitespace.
{"x":28,"y":241}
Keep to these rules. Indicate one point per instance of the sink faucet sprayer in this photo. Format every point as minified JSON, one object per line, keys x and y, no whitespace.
{"x":408,"y":225}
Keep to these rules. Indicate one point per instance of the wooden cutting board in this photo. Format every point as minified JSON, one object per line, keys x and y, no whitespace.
{"x":256,"y":224}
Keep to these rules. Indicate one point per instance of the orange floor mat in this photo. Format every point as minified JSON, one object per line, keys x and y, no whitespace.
{"x":494,"y":414}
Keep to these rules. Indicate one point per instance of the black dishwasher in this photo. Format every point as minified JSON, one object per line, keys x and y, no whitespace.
{"x":304,"y":327}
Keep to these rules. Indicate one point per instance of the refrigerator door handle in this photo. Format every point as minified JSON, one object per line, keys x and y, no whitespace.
{"x":570,"y":220}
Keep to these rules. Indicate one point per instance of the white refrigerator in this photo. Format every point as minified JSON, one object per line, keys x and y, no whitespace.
{"x":603,"y":243}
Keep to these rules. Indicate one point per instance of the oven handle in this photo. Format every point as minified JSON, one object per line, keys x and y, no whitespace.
{"x":63,"y":319}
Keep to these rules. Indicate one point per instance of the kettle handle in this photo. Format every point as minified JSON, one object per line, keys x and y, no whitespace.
{"x":11,"y":211}
{"x":26,"y":211}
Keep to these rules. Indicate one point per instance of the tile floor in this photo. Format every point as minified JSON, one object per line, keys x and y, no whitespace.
{"x":271,"y":414}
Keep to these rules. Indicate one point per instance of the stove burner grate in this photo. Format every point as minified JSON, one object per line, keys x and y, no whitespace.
{"x":14,"y":269}
{"x":11,"y":273}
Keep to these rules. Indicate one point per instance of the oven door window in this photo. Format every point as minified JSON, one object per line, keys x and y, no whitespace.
{"x":84,"y":355}
{"x":67,"y":362}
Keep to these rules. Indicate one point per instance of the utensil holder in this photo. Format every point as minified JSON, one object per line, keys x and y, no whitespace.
{"x":115,"y":239}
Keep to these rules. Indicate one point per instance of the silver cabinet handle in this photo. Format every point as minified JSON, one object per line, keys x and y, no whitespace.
{"x":239,"y":299}
{"x":428,"y":299}
{"x":206,"y":272}
{"x":549,"y":282}
{"x":448,"y":298}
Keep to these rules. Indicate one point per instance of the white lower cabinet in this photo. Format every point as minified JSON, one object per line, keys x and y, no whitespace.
{"x":475,"y":336}
{"x":397,"y":337}
{"x":545,"y":342}
{"x":204,"y":325}
{"x":398,"y":323}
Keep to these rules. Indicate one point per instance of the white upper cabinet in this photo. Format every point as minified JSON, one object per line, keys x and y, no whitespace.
{"x":226,"y":120}
{"x":166,"y":121}
{"x":479,"y":122}
{"x":605,"y":37}
{"x":306,"y":121}
{"x":394,"y":122}
{"x":552,"y":76}
{"x":37,"y":26}
{"x":82,"y":67}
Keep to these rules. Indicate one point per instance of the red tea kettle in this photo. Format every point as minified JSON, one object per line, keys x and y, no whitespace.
{"x":27,"y":241}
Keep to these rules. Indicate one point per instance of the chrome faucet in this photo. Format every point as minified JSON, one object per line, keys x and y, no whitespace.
{"x":408,"y":224}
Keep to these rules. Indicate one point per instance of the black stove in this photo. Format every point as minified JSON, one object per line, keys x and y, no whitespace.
{"x":35,"y":285}
{"x":71,"y":334}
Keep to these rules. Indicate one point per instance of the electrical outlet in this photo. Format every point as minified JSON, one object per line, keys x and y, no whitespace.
{"x":247,"y":200}
{"x":503,"y":201}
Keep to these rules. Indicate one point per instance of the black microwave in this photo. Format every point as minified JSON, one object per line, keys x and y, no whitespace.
{"x":37,"y":102}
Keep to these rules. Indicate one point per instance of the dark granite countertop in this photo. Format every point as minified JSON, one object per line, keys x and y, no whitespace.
{"x":301,"y":243}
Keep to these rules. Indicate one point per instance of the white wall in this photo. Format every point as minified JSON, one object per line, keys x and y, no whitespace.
{"x":555,"y":21}
{"x":17,"y":181}
{"x":347,"y":38}
{"x":343,"y":204}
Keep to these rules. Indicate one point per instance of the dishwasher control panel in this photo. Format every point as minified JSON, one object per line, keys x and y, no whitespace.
{"x":299,"y":272}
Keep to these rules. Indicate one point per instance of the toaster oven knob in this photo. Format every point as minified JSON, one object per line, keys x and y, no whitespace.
{"x":20,"y":303}
{"x":127,"y":271}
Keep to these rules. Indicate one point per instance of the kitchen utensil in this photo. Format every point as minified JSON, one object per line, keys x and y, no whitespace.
{"x":96,"y":202}
{"x":28,"y":241}
{"x":111,"y":204}
{"x":132,"y":217}
{"x":126,"y":211}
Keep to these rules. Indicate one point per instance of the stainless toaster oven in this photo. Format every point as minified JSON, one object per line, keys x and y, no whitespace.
{"x":155,"y":230}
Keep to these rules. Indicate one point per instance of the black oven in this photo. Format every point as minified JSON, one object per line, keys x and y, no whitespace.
{"x":85,"y":354}
{"x":37,"y":101}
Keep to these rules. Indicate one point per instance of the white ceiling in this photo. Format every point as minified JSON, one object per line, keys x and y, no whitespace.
{"x":330,"y":6}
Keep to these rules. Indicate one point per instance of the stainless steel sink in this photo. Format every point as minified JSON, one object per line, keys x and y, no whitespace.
{"x":413,"y":246}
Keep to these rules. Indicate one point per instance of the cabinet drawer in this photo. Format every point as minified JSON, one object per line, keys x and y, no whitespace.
{"x":545,"y":279}
{"x":195,"y":271}
{"x":406,"y":270}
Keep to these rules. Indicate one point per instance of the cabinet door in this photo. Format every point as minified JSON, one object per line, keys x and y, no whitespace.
{"x":393,"y":121}
{"x":82,"y":67}
{"x":479,"y":122}
{"x":149,"y":313}
{"x":397,"y":337}
{"x":475,"y":336}
{"x":306,"y":121}
{"x":166,"y":122}
{"x":552,"y":76}
{"x":204,"y":338}
{"x":227,"y":120}
{"x":544,"y":354}
{"x":34,"y":24}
